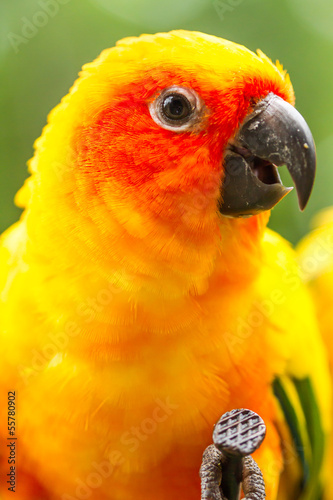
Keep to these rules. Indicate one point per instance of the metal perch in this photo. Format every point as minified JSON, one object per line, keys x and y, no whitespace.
{"x":227,"y":465}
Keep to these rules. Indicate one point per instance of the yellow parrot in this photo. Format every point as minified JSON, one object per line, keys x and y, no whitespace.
{"x":315,"y":253}
{"x":142,"y":295}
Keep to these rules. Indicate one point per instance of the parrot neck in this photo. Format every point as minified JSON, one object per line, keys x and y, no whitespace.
{"x":116,"y":287}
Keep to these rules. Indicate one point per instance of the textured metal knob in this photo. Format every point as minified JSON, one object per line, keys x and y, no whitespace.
{"x":239,"y":432}
{"x":227,"y":464}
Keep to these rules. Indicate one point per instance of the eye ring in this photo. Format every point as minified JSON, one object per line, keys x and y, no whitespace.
{"x":177,"y":108}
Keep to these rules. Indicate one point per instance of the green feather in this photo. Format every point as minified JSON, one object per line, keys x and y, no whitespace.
{"x":299,"y":406}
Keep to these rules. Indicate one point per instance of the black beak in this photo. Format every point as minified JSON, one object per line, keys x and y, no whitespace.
{"x":274,"y":134}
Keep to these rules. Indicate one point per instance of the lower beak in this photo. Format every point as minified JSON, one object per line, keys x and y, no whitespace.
{"x":274,"y":134}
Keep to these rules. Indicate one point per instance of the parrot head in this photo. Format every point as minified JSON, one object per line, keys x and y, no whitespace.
{"x":180,"y":127}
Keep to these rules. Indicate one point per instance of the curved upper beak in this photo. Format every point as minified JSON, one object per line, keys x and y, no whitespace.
{"x":274,"y":134}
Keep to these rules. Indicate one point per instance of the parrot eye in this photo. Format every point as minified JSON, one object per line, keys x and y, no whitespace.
{"x":176,"y":108}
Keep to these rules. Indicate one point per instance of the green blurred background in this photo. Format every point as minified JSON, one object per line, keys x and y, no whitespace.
{"x":45,"y":43}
